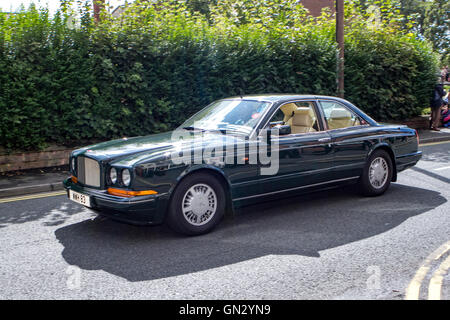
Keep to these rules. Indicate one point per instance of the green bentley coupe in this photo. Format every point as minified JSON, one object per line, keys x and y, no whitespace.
{"x":236,"y":151}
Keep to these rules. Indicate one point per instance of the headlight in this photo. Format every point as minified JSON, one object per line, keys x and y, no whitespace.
{"x":126,"y":177}
{"x":113,"y":175}
{"x":72,"y":164}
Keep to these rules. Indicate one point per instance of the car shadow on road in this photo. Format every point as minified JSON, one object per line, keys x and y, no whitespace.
{"x":301,"y":225}
{"x":431,"y":174}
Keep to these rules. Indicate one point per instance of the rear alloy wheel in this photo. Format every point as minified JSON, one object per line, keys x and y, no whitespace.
{"x":377,"y":174}
{"x":197,"y":205}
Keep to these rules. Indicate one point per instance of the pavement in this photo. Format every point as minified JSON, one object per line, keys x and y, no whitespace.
{"x":31,"y":182}
{"x":36,"y":182}
{"x":332,"y":244}
{"x":428,"y":136}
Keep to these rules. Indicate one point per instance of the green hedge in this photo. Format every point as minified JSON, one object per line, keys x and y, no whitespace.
{"x":131,"y":77}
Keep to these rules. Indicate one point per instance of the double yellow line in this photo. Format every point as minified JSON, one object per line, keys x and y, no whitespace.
{"x":33,"y":196}
{"x":435,"y":285}
{"x":432,"y":143}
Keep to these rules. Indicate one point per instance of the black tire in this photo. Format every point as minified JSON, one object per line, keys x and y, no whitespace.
{"x":368,"y":188}
{"x":176,"y":219}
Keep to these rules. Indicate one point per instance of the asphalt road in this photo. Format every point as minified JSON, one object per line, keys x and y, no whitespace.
{"x":329,"y":245}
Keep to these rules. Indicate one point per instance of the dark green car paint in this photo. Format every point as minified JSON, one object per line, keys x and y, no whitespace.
{"x":316,"y":159}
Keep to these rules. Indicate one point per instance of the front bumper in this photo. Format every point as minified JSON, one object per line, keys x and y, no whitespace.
{"x":142,"y":210}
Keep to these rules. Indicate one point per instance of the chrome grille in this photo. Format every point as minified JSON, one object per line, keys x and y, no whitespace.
{"x":88,"y":172}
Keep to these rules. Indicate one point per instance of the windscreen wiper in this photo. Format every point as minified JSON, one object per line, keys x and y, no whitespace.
{"x":203,"y":130}
{"x":193,"y":129}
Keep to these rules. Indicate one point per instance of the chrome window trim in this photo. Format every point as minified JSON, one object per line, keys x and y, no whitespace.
{"x":237,"y":99}
{"x":293,"y":135}
{"x":352,"y":127}
{"x":255,"y":128}
{"x":347,"y":108}
{"x":298,"y":135}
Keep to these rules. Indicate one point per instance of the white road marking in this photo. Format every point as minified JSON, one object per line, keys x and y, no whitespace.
{"x":442,"y":168}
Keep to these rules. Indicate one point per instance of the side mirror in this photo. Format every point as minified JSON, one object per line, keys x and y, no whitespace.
{"x":282,"y":130}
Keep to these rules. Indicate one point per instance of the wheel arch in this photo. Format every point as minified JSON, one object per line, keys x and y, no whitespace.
{"x":213,"y":171}
{"x":386,"y":147}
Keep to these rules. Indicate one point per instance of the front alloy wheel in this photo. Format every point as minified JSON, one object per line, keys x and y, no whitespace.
{"x":197,"y":204}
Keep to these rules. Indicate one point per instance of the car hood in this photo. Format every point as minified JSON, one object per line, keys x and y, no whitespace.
{"x":130,"y":151}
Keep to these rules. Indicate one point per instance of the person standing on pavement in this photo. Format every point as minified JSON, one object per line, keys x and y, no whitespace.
{"x":445,"y":116}
{"x":445,"y":73}
{"x":436,"y":104}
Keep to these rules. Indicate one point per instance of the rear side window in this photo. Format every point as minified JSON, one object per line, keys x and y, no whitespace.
{"x":338,"y":116}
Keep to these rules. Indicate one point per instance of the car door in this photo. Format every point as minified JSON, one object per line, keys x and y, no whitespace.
{"x":304,"y":156}
{"x":242,"y":173}
{"x":349,"y":134}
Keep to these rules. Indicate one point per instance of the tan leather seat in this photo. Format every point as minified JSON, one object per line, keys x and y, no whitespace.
{"x":288,"y":111}
{"x":302,"y":121}
{"x":340,"y":118}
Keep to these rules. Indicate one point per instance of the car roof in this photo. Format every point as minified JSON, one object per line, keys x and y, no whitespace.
{"x":281,"y":97}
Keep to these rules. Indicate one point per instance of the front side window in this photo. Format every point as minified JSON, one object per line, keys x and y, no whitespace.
{"x":300,"y":116}
{"x":338,"y":116}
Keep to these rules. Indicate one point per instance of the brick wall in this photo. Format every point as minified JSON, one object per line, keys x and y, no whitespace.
{"x":51,"y":157}
{"x":421,"y":122}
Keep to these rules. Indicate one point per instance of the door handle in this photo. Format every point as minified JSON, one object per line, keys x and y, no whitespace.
{"x":325,"y":140}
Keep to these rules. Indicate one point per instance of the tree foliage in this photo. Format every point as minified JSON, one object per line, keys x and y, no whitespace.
{"x":427,"y":19}
{"x":159,"y":62}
